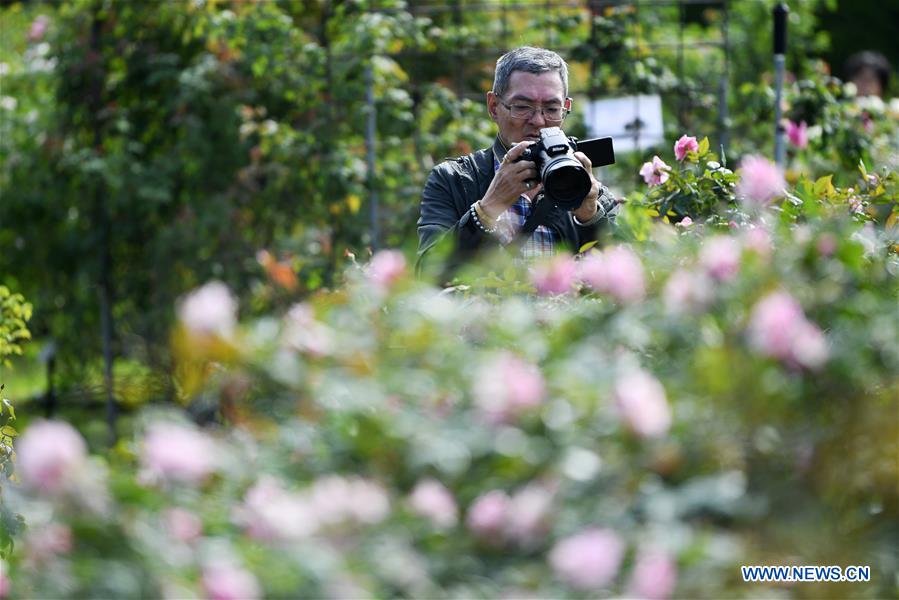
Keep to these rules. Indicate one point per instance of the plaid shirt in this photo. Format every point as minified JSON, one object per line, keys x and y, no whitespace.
{"x":541,"y":243}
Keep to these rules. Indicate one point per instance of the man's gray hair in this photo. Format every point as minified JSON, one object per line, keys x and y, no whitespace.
{"x":529,"y":60}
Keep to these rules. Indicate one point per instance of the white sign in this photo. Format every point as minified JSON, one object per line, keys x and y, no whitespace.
{"x":634,"y":122}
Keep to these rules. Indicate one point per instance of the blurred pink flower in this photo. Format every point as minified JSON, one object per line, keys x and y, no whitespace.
{"x":4,"y":579}
{"x":810,"y":347}
{"x":617,"y":271}
{"x":528,"y":515}
{"x":432,"y":500}
{"x":655,"y":172}
{"x":588,"y":560}
{"x":827,"y":244}
{"x":386,"y":268}
{"x":487,"y":515}
{"x":685,"y":222}
{"x":38,"y":28}
{"x":182,"y":525}
{"x":50,"y":455}
{"x":304,"y":333}
{"x":760,"y":180}
{"x":209,"y":310}
{"x":555,"y":275}
{"x":654,"y":576}
{"x":720,"y":257}
{"x":336,"y":499}
{"x":641,"y":401}
{"x":270,"y":513}
{"x":178,"y":453}
{"x":778,"y":327}
{"x":683,"y":145}
{"x":45,"y":542}
{"x":687,"y":292}
{"x":223,"y":581}
{"x":797,"y":134}
{"x":758,"y":240}
{"x":506,"y":386}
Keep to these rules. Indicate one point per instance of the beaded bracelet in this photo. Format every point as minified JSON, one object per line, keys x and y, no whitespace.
{"x":474,"y":215}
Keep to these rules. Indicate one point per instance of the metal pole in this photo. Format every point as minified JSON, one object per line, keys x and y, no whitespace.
{"x":723,"y":137}
{"x":780,"y":48}
{"x":371,"y":131}
{"x":104,"y":283}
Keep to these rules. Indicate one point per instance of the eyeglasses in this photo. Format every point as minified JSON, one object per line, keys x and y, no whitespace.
{"x":552,"y":114}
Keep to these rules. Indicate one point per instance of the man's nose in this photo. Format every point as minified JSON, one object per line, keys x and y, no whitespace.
{"x":538,"y":117}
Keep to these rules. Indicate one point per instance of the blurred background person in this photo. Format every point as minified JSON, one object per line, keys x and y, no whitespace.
{"x":869,"y":71}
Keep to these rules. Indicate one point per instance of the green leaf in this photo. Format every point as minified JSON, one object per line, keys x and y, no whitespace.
{"x":703,"y":146}
{"x":587,"y":246}
{"x":824,"y":186}
{"x":9,"y":407}
{"x":9,"y":430}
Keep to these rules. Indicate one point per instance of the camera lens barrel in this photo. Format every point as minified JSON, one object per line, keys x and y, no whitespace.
{"x":565,"y":180}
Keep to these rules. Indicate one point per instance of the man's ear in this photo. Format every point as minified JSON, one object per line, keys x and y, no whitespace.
{"x":491,"y":105}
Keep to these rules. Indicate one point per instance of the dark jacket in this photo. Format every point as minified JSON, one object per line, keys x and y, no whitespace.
{"x":455,"y":184}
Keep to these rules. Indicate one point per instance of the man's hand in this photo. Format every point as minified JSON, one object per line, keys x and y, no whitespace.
{"x":509,"y":182}
{"x":587,"y":209}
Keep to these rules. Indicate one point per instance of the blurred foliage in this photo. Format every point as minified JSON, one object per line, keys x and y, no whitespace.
{"x":154,"y":146}
{"x":365,"y":391}
{"x":14,"y":316}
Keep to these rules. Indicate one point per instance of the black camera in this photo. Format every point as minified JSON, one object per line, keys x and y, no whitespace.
{"x":565,"y":180}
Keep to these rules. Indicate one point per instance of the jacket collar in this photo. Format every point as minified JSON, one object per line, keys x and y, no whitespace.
{"x":499,"y":149}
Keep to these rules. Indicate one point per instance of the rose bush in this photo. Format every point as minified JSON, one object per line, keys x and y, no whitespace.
{"x":642,"y":422}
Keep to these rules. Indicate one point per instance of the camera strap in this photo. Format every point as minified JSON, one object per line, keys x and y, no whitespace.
{"x":541,"y":209}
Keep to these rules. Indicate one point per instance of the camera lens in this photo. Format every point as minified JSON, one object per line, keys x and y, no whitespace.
{"x":566,"y":183}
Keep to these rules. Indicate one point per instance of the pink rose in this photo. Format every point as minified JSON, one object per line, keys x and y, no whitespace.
{"x":687,"y":292}
{"x":760,"y":181}
{"x":720,"y":257}
{"x":178,"y":453}
{"x":685,"y":222}
{"x":683,"y":145}
{"x":209,"y":310}
{"x":487,"y":515}
{"x":810,"y":347}
{"x":655,"y":172}
{"x":588,"y":560}
{"x":758,"y":240}
{"x":432,"y":500}
{"x":654,"y":576}
{"x":306,"y":334}
{"x":48,"y":541}
{"x":386,"y":268}
{"x":617,"y":272}
{"x":827,"y":245}
{"x":38,"y":28}
{"x":50,"y":455}
{"x":223,"y":581}
{"x":555,"y":275}
{"x":641,"y":401}
{"x":336,"y":499}
{"x":507,"y":386}
{"x":270,"y":513}
{"x":778,"y":327}
{"x":182,"y":525}
{"x":4,"y":579}
{"x":529,"y":512}
{"x":797,"y":134}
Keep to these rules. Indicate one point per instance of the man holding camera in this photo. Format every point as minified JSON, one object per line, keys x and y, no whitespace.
{"x":493,"y":197}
